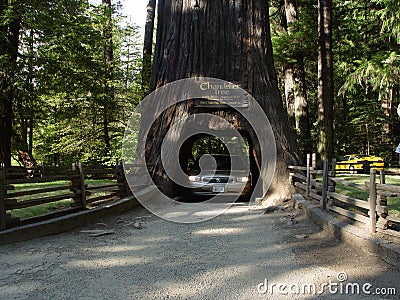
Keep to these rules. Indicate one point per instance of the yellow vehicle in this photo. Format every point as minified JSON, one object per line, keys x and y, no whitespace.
{"x":359,"y":163}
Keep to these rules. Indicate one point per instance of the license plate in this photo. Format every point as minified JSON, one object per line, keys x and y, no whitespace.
{"x":218,"y":189}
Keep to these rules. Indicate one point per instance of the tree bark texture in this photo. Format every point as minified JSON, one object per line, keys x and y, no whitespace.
{"x":289,"y":94}
{"x":148,"y":45}
{"x":5,"y":106}
{"x":229,"y":40}
{"x":9,"y":42}
{"x":325,"y":80}
{"x":295,"y":86}
{"x":109,"y":71}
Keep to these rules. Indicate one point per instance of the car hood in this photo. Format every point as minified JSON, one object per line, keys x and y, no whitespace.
{"x":223,"y":173}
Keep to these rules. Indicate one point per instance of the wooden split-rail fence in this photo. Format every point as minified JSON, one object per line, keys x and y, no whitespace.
{"x":320,"y":185}
{"x":83,"y":187}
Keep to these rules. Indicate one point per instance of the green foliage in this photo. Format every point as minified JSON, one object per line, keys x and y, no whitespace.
{"x":213,"y":145}
{"x":62,"y":86}
{"x":302,"y":37}
{"x":367,"y":77}
{"x":366,"y":36}
{"x":61,"y":81}
{"x":381,"y":72}
{"x":389,"y":14}
{"x":301,"y":40}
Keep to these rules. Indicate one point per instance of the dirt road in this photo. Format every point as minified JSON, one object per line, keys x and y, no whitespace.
{"x":243,"y":254}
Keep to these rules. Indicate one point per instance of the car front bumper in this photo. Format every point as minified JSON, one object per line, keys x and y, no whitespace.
{"x":231,"y":188}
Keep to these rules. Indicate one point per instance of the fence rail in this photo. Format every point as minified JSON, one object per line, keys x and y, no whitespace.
{"x":83,"y":187}
{"x":372,"y":212}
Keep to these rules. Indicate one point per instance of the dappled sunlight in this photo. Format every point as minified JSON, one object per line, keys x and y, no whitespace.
{"x":220,"y":231}
{"x":189,"y":213}
{"x":148,"y":241}
{"x":74,"y":71}
{"x":226,"y":257}
{"x":244,"y":218}
{"x":109,"y":262}
{"x":238,"y":209}
{"x":119,"y":248}
{"x":210,"y":212}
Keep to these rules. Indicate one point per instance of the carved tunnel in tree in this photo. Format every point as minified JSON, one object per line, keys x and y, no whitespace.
{"x":212,"y":142}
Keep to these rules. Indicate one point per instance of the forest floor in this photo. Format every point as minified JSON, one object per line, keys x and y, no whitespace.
{"x":242,"y":254}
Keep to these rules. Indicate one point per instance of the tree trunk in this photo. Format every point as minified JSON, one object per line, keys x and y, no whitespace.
{"x":109,"y":72}
{"x":287,"y":19}
{"x":289,"y":94}
{"x":325,"y":80}
{"x":23,"y":139}
{"x":387,"y":140}
{"x":9,"y":42}
{"x":295,"y":86}
{"x":229,"y":40}
{"x":302,"y":116}
{"x":31,"y":85}
{"x":148,"y":46}
{"x":5,"y":106}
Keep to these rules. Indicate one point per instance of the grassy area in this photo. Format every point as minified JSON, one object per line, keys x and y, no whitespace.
{"x":393,"y":203}
{"x":37,"y":210}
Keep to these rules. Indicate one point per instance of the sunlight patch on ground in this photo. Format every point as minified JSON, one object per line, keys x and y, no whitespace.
{"x":219,"y":231}
{"x":110,"y":262}
{"x":118,"y":249}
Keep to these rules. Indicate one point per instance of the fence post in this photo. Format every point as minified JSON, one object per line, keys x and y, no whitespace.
{"x":382,"y":200}
{"x":382,"y":204}
{"x":314,"y":161}
{"x":78,"y":184}
{"x":324,"y":184}
{"x":332,"y":184}
{"x":372,"y":200}
{"x":313,"y":167}
{"x":123,"y":188}
{"x":3,"y":214}
{"x":333,"y":164}
{"x":82,"y":182}
{"x":308,"y":175}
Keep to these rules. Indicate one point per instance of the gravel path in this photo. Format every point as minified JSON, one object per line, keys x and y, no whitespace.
{"x":225,"y":258}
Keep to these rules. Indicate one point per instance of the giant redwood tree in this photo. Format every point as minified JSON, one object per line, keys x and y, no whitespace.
{"x":229,"y":40}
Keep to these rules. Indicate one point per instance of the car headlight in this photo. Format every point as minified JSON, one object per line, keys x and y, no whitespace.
{"x":194,"y":178}
{"x":242,"y":179}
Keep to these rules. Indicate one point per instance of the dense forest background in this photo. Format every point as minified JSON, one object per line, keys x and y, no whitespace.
{"x":72,"y":72}
{"x":74,"y":81}
{"x":366,"y":61}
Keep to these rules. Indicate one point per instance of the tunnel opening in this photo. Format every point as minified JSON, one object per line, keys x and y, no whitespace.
{"x":200,"y":146}
{"x":184,"y":151}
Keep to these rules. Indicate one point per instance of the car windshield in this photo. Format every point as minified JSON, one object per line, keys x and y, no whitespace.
{"x":357,"y":156}
{"x":223,"y":162}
